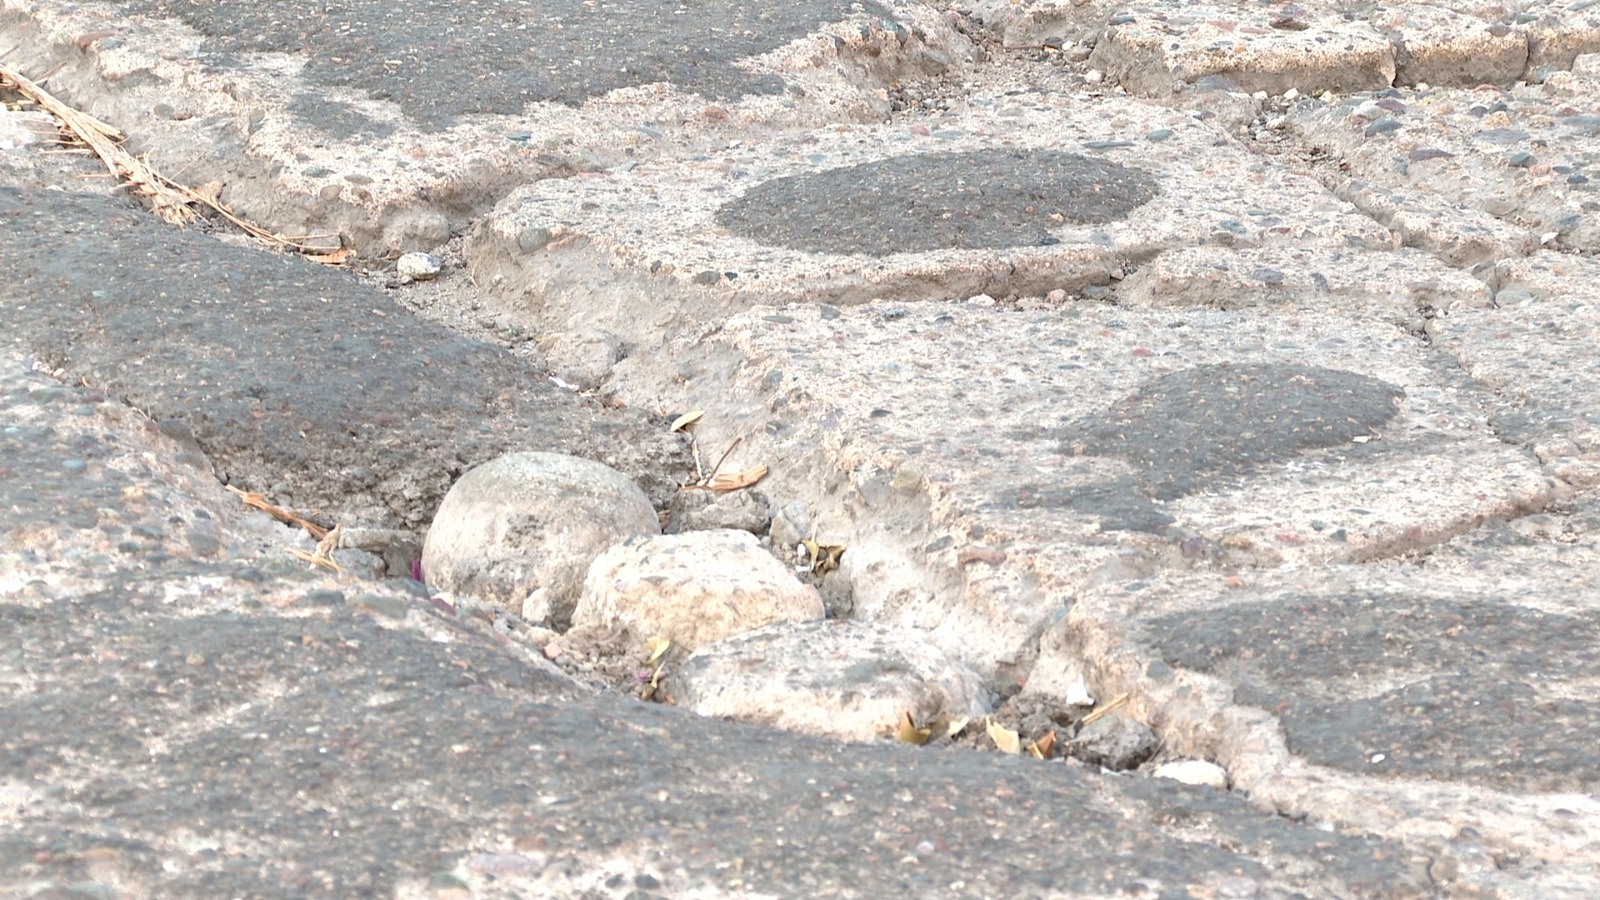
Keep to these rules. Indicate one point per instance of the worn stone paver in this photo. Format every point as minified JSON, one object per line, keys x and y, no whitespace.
{"x":1230,"y":363}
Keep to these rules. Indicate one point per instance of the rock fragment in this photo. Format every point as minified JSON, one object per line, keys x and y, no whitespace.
{"x":520,"y":531}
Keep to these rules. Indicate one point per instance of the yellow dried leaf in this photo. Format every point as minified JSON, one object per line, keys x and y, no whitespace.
{"x":724,"y":483}
{"x":821,"y":558}
{"x":657,"y":646}
{"x":910,"y":733}
{"x":956,"y":727}
{"x":687,"y":419}
{"x":1007,"y":740}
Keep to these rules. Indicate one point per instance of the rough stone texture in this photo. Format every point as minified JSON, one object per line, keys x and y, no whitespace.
{"x":440,"y":759}
{"x":692,"y":589}
{"x":1113,"y":443}
{"x":520,"y":531}
{"x":745,"y":510}
{"x":1259,"y":49}
{"x":895,"y":211}
{"x":1516,"y":156}
{"x":391,"y":128}
{"x":1460,"y":683}
{"x":926,"y":435}
{"x":583,"y":360}
{"x":1158,"y":47}
{"x":1114,"y":742}
{"x":847,"y":680}
{"x":1549,"y":393}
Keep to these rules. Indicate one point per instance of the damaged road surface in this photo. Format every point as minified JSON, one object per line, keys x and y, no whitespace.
{"x":1185,"y":416}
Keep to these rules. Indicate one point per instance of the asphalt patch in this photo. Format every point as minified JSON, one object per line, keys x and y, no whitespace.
{"x":1492,"y":720}
{"x":297,"y":381}
{"x":980,"y":199}
{"x":327,"y":755}
{"x":442,"y":59}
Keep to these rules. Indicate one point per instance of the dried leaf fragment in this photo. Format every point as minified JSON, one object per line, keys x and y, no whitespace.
{"x":657,"y":647}
{"x":819,"y":558}
{"x":687,"y":419}
{"x":1042,"y":747}
{"x":1007,"y":740}
{"x":910,"y":733}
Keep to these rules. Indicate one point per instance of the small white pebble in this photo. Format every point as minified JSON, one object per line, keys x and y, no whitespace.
{"x":1056,"y":296}
{"x":1291,"y":94}
{"x":1094,"y":76}
{"x":981,"y":300}
{"x":1260,"y":95}
{"x":1377,"y":758}
{"x":1195,"y":771}
{"x":1369,"y":110}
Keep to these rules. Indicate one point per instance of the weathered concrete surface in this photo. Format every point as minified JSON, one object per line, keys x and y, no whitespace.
{"x":1288,"y":443}
{"x":978,"y":498}
{"x":1159,"y":48}
{"x":1450,"y":691}
{"x":1519,"y":155}
{"x":1072,"y":194}
{"x":390,"y":125}
{"x":203,"y":724}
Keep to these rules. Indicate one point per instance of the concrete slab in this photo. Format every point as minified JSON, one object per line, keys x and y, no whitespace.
{"x":1179,"y":455}
{"x":1058,"y":448}
{"x":1547,"y":391}
{"x":405,"y":766}
{"x":391,"y":128}
{"x":1159,"y":47}
{"x":1158,"y":51}
{"x":1028,"y":192}
{"x":1453,"y":697}
{"x":1517,"y":157}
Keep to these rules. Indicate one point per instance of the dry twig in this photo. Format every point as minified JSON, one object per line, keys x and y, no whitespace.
{"x":168,"y":199}
{"x":104,"y":140}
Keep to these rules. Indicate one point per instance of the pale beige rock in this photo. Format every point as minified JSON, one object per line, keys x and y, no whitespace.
{"x":583,"y":359}
{"x":693,"y":588}
{"x":520,"y":531}
{"x":837,"y":679}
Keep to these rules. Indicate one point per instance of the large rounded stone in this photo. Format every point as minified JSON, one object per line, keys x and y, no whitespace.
{"x":520,"y":531}
{"x":693,"y":588}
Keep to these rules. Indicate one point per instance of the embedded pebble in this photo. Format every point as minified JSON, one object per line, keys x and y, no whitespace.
{"x":1194,"y":771}
{"x":417,"y":267}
